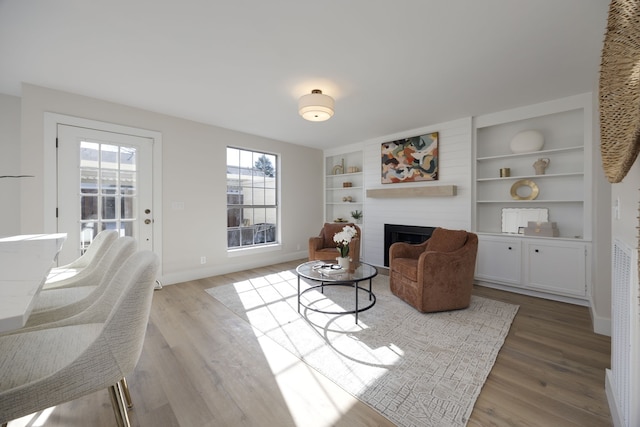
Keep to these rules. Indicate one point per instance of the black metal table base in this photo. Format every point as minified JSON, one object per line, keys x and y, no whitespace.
{"x":353,"y":284}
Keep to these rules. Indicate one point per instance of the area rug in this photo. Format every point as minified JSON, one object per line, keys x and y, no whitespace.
{"x":416,"y":369}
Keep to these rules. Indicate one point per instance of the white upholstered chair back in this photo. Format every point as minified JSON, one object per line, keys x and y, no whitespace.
{"x":92,"y":255}
{"x":44,"y":368}
{"x":99,"y":278}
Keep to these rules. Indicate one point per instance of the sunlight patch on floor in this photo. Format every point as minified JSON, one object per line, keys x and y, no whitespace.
{"x":305,"y":390}
{"x":37,"y":419}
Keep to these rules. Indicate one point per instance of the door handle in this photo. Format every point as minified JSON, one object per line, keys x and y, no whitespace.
{"x":147,"y":221}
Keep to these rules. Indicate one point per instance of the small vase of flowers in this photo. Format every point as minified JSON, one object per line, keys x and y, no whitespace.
{"x":342,"y":239}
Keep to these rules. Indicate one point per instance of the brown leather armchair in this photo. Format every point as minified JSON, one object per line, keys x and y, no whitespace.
{"x":436,"y":275}
{"x":323,"y":248}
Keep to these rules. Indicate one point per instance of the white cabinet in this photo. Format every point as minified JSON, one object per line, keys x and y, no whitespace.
{"x":499,"y":260}
{"x":545,"y":267}
{"x":553,"y":266}
{"x":344,"y":186}
{"x":556,"y":266}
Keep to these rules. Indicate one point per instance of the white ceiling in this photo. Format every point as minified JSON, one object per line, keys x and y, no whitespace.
{"x":391,"y":65}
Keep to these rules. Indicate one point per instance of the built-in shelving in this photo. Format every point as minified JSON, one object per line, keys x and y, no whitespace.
{"x":561,"y":188}
{"x":344,"y":186}
{"x":554,"y":266}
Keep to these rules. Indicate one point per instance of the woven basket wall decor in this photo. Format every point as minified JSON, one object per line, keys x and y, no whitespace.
{"x":619,"y":92}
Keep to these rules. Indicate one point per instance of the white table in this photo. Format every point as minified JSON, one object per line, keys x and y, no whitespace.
{"x":25,"y":262}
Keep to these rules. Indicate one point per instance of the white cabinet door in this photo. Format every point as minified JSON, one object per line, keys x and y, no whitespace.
{"x":557,"y":267}
{"x":499,"y":260}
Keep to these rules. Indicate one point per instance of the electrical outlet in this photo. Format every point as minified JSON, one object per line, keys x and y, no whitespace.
{"x":203,"y":260}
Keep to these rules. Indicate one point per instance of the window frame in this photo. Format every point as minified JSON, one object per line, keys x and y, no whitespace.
{"x":244,"y":228}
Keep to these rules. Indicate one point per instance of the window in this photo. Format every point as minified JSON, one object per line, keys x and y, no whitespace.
{"x":252,"y":202}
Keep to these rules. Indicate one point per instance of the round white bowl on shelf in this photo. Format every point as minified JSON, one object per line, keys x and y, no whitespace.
{"x":527,"y":141}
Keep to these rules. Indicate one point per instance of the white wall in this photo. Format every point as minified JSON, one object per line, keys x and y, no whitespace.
{"x":601,"y":232}
{"x":454,"y":148}
{"x":10,"y":164}
{"x":193,"y":172}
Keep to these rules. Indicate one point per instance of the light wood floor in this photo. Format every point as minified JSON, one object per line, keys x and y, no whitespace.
{"x":203,"y":366}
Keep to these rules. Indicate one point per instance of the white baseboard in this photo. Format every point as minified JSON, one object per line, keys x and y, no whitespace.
{"x":531,"y":292}
{"x":601,"y":325}
{"x":225,"y":268}
{"x":611,"y":399}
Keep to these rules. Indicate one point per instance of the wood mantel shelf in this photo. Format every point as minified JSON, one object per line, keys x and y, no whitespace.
{"x":430,"y":191}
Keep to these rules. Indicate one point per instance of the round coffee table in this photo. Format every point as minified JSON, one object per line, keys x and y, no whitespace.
{"x":327,"y":274}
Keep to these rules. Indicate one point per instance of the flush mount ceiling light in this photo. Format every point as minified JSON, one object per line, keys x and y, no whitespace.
{"x":316,"y":106}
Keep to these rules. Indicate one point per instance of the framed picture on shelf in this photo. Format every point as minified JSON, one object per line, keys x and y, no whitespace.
{"x":410,"y":159}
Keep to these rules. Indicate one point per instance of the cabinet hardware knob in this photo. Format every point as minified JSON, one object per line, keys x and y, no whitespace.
{"x":537,"y":250}
{"x":509,"y":247}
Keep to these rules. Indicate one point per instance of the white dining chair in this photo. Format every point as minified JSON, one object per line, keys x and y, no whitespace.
{"x":43,"y":368}
{"x":67,"y":275}
{"x":55,"y":304}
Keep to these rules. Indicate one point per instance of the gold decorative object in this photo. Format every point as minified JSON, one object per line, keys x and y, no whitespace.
{"x":524,"y":183}
{"x":505,"y":172}
{"x":338,"y":169}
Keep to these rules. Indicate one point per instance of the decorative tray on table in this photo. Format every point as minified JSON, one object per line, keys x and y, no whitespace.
{"x":328,"y":268}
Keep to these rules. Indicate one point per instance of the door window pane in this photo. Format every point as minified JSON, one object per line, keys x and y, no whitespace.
{"x":109,"y":156}
{"x":108,"y":181}
{"x":128,"y":208}
{"x":88,"y":207}
{"x":109,"y":208}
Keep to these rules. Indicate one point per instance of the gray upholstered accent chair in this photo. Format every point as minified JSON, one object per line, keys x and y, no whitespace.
{"x":70,"y":274}
{"x":58,"y":303}
{"x":83,"y":354}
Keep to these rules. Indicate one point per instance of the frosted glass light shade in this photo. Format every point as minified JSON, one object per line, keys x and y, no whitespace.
{"x":527,"y":141}
{"x":316,"y":106}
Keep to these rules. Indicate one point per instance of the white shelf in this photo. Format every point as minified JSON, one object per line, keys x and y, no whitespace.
{"x":515,"y":178}
{"x":529,"y":201}
{"x":521,"y":236}
{"x":344,"y":188}
{"x":537,"y":201}
{"x":530,"y":154}
{"x":345,"y":175}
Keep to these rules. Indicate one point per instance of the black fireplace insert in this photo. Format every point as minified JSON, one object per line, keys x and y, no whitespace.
{"x":404,"y":233}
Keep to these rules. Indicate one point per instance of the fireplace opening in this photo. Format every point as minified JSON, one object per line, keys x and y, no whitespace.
{"x":404,"y":233}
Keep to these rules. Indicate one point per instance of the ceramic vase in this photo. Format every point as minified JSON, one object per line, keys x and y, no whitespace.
{"x":344,"y":262}
{"x":527,"y":141}
{"x":541,"y":165}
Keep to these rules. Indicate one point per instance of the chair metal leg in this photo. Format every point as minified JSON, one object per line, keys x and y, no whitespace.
{"x":119,"y":406}
{"x":127,"y":394}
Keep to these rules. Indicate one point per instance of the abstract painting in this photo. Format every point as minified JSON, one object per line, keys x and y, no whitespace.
{"x":410,"y":159}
